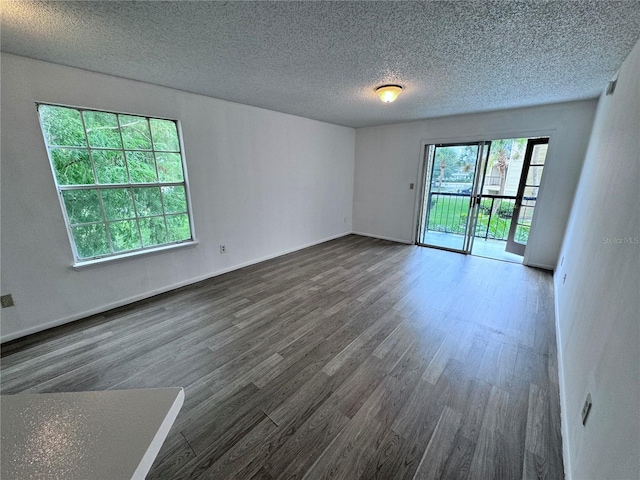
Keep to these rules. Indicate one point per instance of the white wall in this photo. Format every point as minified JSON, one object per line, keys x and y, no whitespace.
{"x":598,"y":311}
{"x":388,"y":159}
{"x":263,"y":183}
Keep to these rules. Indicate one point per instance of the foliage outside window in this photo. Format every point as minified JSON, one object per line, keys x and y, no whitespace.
{"x":120,"y":179}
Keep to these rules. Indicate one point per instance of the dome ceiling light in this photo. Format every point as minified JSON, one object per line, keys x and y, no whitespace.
{"x":388,"y":93}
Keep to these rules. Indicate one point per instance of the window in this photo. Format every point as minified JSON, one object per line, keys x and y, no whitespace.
{"x":120,"y":178}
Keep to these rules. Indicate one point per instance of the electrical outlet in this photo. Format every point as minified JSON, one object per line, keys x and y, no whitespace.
{"x":223,"y":249}
{"x":411,"y":186}
{"x":6,"y":300}
{"x":586,"y":408}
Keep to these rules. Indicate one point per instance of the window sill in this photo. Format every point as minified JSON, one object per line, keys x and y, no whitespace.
{"x":129,"y":255}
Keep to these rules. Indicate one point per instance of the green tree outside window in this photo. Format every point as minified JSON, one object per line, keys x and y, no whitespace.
{"x":120,"y":178}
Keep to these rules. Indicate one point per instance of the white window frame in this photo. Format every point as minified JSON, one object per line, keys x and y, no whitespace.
{"x":80,"y":262}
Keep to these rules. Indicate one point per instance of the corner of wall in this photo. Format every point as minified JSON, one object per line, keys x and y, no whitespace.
{"x":596,"y":311}
{"x":564,"y":427}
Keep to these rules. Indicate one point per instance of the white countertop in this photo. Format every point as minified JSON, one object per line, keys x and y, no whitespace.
{"x":110,"y":435}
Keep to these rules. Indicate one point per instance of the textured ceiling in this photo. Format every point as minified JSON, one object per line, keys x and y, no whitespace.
{"x":322,"y":60}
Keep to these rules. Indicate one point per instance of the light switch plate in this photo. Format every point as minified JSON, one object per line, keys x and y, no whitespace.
{"x":6,"y":300}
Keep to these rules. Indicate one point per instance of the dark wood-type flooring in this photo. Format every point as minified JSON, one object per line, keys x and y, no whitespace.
{"x":354,"y":359}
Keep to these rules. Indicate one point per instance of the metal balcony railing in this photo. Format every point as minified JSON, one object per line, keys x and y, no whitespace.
{"x":447,"y":213}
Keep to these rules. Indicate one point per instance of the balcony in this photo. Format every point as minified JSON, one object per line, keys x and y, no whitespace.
{"x":446,"y":217}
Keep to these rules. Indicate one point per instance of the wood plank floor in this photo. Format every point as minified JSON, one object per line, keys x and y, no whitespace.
{"x":354,"y":359}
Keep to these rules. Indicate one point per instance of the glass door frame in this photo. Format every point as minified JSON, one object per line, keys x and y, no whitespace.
{"x":513,"y":246}
{"x":476,"y":189}
{"x":476,"y":197}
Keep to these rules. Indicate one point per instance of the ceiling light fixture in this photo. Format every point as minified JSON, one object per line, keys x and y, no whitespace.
{"x":388,"y":93}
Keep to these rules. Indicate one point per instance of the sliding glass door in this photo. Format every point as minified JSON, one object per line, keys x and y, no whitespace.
{"x":479,"y":197}
{"x":451,"y":184}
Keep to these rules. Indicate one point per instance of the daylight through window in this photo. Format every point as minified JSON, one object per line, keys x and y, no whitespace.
{"x":120,"y":179}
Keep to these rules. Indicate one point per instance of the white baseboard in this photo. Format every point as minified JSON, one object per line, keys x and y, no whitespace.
{"x":539,"y":265}
{"x":168,"y":288}
{"x":564,"y":428}
{"x":391,"y":239}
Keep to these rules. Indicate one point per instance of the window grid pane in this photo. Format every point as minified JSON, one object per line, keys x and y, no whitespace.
{"x":102,"y":129}
{"x":135,"y":209}
{"x":72,"y":166}
{"x":124,"y":213}
{"x":53,"y":132}
{"x":110,"y":166}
